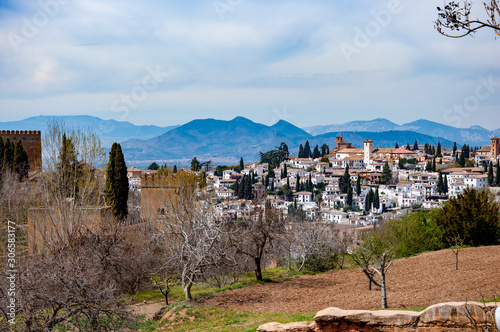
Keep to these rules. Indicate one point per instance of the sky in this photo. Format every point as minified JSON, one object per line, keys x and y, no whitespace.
{"x":167,"y":62}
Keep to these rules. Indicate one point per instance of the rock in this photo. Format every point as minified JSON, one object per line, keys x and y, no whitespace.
{"x":444,"y":317}
{"x":290,"y":327}
{"x":367,"y":317}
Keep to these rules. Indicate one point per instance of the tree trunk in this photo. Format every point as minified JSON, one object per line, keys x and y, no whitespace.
{"x":258,"y":271}
{"x":187,"y":283}
{"x":383,"y":290}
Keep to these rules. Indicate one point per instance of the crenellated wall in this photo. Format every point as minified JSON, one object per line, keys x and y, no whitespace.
{"x":32,"y":144}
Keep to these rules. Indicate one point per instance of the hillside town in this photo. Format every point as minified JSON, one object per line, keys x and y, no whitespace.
{"x":345,"y":185}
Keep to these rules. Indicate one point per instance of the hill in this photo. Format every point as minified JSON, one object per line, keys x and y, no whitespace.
{"x":210,"y":138}
{"x":418,"y":281}
{"x":109,"y":131}
{"x":229,"y":140}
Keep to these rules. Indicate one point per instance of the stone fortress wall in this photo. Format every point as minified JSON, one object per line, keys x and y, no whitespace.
{"x":32,"y":144}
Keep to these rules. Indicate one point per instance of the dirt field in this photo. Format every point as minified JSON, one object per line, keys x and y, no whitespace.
{"x":419,"y":281}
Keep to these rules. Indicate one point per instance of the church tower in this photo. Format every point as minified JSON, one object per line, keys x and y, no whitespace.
{"x":368,"y":149}
{"x":495,"y":148}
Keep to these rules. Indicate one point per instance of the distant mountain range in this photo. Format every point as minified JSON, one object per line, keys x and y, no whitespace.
{"x":475,"y":135}
{"x":109,"y":131}
{"x":227,"y":141}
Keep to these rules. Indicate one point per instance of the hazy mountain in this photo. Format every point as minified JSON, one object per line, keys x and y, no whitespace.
{"x":227,"y":141}
{"x":215,"y":139}
{"x":108,"y":130}
{"x":475,"y":135}
{"x":376,"y":125}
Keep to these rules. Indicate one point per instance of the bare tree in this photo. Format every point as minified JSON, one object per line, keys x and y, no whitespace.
{"x":196,"y":243}
{"x":458,"y":243}
{"x":454,"y":20}
{"x":257,"y":236}
{"x":375,"y":258}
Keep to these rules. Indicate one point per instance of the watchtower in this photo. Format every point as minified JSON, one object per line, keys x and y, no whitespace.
{"x":32,"y":144}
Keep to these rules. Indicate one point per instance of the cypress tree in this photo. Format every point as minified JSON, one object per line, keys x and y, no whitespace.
{"x":324,"y":150}
{"x":307,"y":150}
{"x":248,"y":188}
{"x":454,"y":148}
{"x":396,"y":146}
{"x":369,"y":200}
{"x":175,"y":169}
{"x":497,"y":179}
{"x":434,"y":164}
{"x":490,"y":174}
{"x":440,"y":184}
{"x":316,"y":153}
{"x":309,"y":184}
{"x":272,"y":186}
{"x":408,"y":147}
{"x":445,"y":184}
{"x":68,"y":168}
{"x":297,"y":184}
{"x":438,"y":150}
{"x":242,"y":165}
{"x":376,"y":199}
{"x":461,"y":160}
{"x":415,"y":146}
{"x":349,"y":197}
{"x":358,"y":185}
{"x":20,"y":163}
{"x":301,"y":151}
{"x":8,"y":155}
{"x":1,"y":154}
{"x":285,"y":171}
{"x":117,"y":183}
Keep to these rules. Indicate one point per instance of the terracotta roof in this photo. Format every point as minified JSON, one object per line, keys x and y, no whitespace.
{"x":403,"y":151}
{"x":303,"y":193}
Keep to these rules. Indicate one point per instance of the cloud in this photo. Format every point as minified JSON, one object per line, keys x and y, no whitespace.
{"x":250,"y":58}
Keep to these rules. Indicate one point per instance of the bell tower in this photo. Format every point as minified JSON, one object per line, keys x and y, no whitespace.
{"x":495,"y":148}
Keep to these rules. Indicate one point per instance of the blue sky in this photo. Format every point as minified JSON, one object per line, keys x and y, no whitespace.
{"x":168,"y":62}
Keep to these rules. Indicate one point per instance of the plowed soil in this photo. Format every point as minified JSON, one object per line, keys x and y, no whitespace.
{"x":419,"y":281}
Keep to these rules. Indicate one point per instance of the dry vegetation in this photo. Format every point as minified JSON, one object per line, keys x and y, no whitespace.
{"x":414,"y":282}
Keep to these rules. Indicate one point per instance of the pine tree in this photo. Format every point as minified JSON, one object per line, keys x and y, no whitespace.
{"x":301,"y":151}
{"x":349,"y":197}
{"x":358,"y":185}
{"x":386,"y":176}
{"x":307,"y":150}
{"x":490,"y":174}
{"x":415,"y":146}
{"x":195,"y":165}
{"x":408,"y":147}
{"x":440,"y":184}
{"x":242,"y":165}
{"x":117,"y":183}
{"x":20,"y":163}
